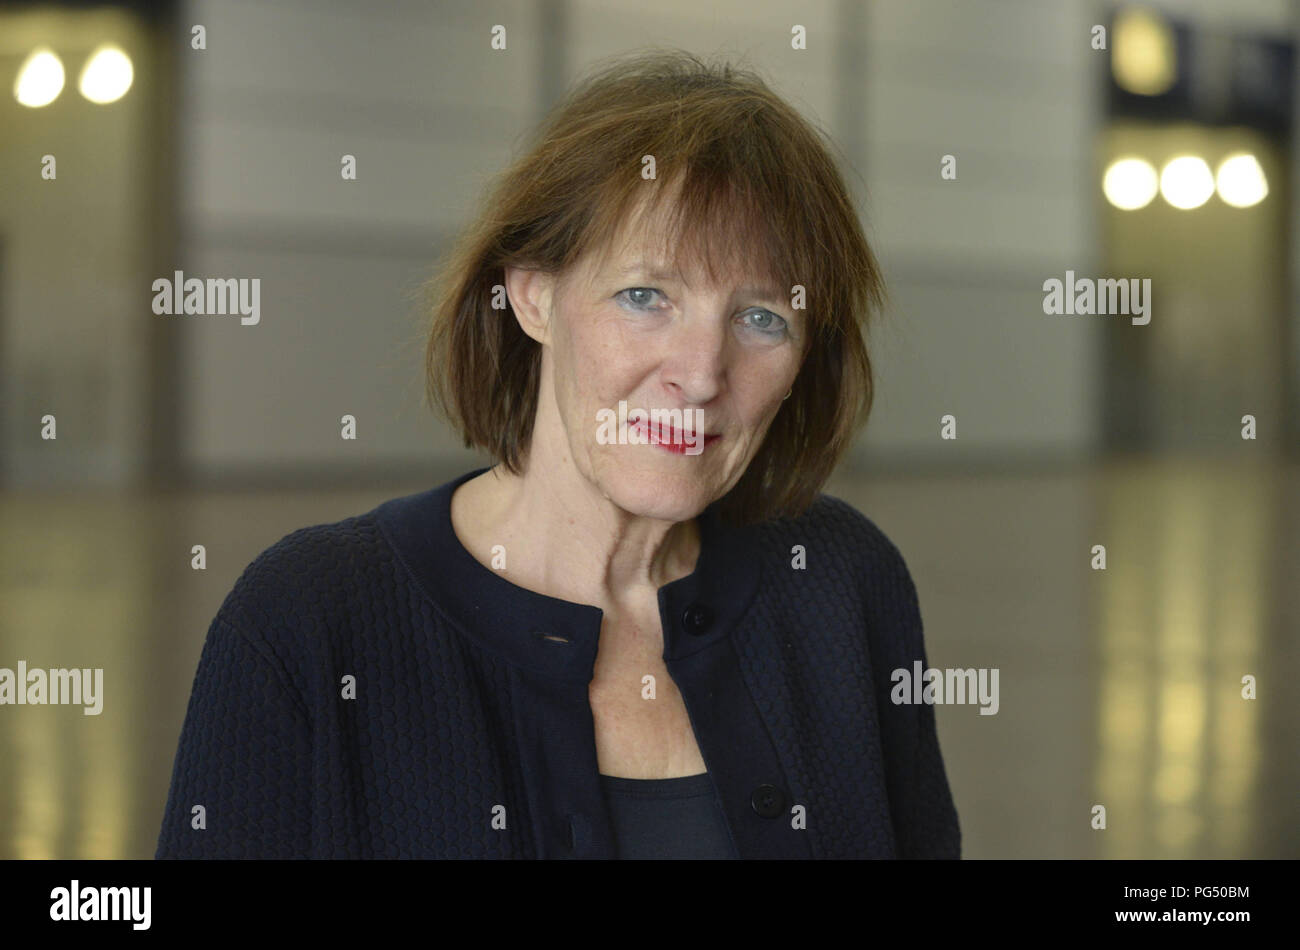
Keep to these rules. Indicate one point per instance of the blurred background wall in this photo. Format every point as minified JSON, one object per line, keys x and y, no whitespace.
{"x":225,"y":160}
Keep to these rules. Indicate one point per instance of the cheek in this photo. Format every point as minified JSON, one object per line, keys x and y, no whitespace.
{"x":573,"y":350}
{"x":760,"y":429}
{"x":758,"y":400}
{"x":585,"y":379}
{"x":606,"y":358}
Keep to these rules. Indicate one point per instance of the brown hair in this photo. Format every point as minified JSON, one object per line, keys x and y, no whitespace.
{"x":754,"y":184}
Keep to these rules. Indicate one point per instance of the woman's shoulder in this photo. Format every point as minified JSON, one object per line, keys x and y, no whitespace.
{"x":306,"y":575}
{"x":839,"y":529}
{"x":848,"y":562}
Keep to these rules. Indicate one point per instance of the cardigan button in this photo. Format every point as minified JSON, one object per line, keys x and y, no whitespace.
{"x":768,"y":801}
{"x":696,"y":619}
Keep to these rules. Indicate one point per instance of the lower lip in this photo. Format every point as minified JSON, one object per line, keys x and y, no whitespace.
{"x":677,"y":447}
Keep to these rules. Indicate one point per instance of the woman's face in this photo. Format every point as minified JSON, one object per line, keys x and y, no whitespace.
{"x":629,"y":330}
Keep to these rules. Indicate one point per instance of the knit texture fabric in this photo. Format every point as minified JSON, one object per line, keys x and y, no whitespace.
{"x":341,"y":711}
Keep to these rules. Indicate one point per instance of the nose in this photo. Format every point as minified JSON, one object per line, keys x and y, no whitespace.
{"x":694,"y":366}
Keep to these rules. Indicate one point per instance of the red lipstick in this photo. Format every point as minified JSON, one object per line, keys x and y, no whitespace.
{"x":671,"y":439}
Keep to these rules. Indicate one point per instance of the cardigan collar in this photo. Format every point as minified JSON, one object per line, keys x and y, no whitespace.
{"x":557,"y":637}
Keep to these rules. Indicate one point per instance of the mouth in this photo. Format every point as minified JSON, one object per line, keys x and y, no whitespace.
{"x":672,"y":439}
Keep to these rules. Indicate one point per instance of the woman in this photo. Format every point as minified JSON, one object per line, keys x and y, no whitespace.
{"x":643,"y":632}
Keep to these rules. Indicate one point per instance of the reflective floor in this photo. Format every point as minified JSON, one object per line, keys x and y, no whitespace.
{"x":1120,"y":688}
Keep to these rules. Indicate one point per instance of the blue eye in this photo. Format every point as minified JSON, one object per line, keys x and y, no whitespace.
{"x":637,"y":298}
{"x":767,"y":322}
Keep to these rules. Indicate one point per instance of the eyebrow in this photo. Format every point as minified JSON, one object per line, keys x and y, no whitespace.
{"x":770,"y":293}
{"x":654,"y":273}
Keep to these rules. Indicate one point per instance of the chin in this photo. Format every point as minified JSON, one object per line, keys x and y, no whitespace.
{"x":652,"y":492}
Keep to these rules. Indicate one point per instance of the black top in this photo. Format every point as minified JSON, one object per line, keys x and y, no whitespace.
{"x":469,"y":734}
{"x":667,"y":818}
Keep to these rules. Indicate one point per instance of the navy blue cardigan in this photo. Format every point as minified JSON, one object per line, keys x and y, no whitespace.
{"x":369,"y":690}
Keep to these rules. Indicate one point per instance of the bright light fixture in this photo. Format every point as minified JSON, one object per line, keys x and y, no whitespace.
{"x":40,"y":79}
{"x":107,"y":75}
{"x":1144,"y":59}
{"x":1130,"y":183}
{"x":1241,"y":180}
{"x":1186,"y":182}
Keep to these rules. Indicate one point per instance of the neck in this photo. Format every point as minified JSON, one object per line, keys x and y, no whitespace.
{"x":557,"y":529}
{"x":563,"y":538}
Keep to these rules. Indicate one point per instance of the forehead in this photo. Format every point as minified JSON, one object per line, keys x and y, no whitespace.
{"x":662,"y":240}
